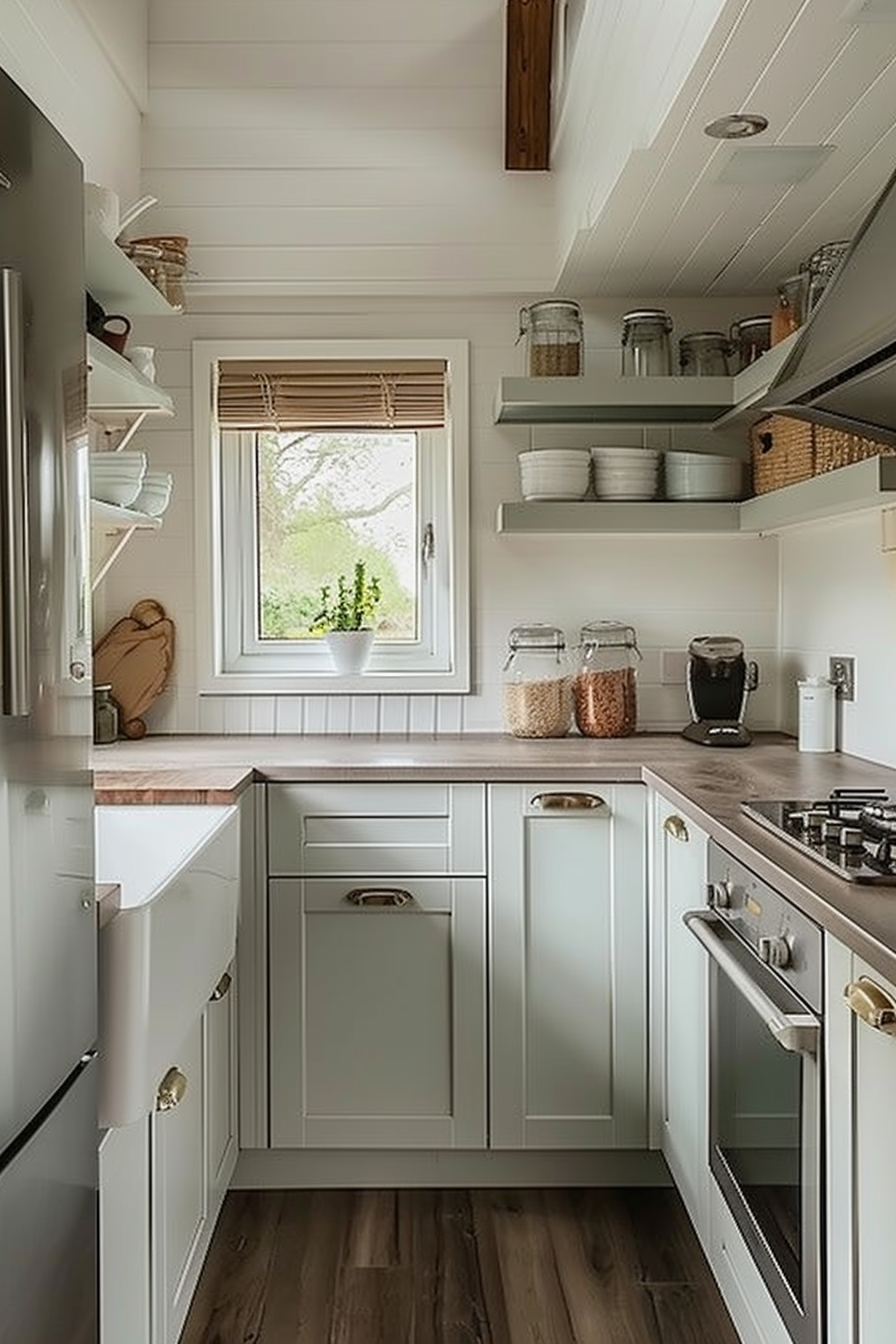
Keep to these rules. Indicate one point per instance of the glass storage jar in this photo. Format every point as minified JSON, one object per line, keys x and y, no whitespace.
{"x":555,"y":344}
{"x":105,"y":715}
{"x":646,"y":344}
{"x":604,"y":688}
{"x":790,"y":310}
{"x":820,"y":268}
{"x":537,"y":691}
{"x":750,"y":337}
{"x":704,"y":354}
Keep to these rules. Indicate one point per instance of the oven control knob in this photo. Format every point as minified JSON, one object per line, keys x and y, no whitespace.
{"x":775,"y":952}
{"x":719,"y":894}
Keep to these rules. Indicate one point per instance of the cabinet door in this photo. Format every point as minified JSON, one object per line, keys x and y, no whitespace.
{"x":221,"y":1090}
{"x":179,"y":1192}
{"x":378,"y":1012}
{"x":874,"y":1163}
{"x":682,"y":1004}
{"x":125,"y":1315}
{"x":568,"y":966}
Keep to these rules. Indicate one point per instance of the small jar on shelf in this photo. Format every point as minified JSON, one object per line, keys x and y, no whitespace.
{"x":605,"y":689}
{"x":537,"y":690}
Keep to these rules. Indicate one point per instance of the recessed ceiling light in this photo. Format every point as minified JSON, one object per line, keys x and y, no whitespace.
{"x":736,"y":126}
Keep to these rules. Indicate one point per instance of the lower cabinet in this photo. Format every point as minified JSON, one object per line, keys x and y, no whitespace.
{"x":162,"y":1182}
{"x":681,"y":1006}
{"x":861,"y":1163}
{"x":378,"y":1012}
{"x":568,"y":954}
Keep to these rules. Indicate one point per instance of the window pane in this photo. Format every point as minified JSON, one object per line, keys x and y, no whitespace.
{"x":324,"y":502}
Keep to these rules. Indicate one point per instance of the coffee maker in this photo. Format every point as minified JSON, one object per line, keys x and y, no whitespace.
{"x":719,"y":680}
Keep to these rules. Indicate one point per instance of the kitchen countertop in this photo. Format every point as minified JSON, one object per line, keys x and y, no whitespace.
{"x":706,"y":784}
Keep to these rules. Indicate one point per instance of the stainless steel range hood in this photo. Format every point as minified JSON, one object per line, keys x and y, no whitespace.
{"x":842,"y":369}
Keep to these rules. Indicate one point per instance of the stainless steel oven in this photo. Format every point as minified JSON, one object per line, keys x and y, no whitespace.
{"x":765,"y":1115}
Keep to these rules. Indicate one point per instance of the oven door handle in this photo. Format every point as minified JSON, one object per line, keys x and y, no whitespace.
{"x":797,"y":1032}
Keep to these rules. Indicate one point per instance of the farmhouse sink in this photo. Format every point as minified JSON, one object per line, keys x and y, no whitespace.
{"x":164,"y":950}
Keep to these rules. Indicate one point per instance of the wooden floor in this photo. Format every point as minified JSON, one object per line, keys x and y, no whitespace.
{"x":456,"y":1267}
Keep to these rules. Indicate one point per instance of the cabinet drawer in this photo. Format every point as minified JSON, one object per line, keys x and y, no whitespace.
{"x":373,"y":829}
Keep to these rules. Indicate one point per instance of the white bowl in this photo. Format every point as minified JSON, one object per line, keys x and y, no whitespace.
{"x":155,"y":493}
{"x":123,"y":492}
{"x":703,"y":476}
{"x":627,"y":455}
{"x":555,"y":473}
{"x":626,"y":490}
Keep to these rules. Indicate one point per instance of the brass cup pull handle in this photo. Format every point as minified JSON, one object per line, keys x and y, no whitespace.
{"x":370,"y":897}
{"x":676,"y":827}
{"x":222,"y":988}
{"x":872,"y":1004}
{"x":567,"y":802}
{"x":171,"y":1090}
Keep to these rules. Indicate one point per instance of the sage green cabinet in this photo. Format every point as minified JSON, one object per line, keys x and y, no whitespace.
{"x":568,"y":966}
{"x":680,"y":1015}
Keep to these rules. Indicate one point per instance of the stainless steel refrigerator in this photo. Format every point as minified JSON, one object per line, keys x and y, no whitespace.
{"x":48,"y":1128}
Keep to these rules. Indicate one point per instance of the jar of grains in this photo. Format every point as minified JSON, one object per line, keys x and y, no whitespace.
{"x":537,"y":683}
{"x":554,"y":338}
{"x":604,"y":687}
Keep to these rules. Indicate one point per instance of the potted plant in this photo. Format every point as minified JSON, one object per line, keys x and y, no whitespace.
{"x":345,"y":619}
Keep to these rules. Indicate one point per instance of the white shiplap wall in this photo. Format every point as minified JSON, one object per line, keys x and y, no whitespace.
{"x":838,"y":597}
{"x":669,"y":588}
{"x":84,"y":65}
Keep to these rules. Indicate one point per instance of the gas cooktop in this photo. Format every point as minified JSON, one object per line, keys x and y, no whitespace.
{"x":852,"y":832}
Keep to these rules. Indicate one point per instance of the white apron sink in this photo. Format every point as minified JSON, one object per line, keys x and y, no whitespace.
{"x":164,"y":950}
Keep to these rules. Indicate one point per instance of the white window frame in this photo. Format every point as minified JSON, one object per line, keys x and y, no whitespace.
{"x":229,"y":661}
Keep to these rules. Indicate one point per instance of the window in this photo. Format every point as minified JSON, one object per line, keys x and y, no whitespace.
{"x":310,"y":456}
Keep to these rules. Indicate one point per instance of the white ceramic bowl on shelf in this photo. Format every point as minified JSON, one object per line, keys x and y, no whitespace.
{"x":703,"y":476}
{"x":555,"y":473}
{"x":626,"y":473}
{"x":116,"y":478}
{"x":155,"y":493}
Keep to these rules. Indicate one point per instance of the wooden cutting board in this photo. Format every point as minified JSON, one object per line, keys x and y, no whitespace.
{"x":135,"y":658}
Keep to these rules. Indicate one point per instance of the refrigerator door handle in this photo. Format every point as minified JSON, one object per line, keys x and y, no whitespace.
{"x":15,"y":645}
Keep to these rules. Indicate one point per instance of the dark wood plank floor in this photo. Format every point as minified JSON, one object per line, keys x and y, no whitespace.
{"x":456,"y":1267}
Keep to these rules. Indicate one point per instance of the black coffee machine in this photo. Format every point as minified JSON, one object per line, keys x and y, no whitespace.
{"x":718,"y":683}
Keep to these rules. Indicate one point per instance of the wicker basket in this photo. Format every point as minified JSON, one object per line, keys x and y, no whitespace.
{"x":782,"y":452}
{"x":835,"y":448}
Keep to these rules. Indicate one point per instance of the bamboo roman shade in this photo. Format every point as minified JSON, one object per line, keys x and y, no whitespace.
{"x":330,"y":394}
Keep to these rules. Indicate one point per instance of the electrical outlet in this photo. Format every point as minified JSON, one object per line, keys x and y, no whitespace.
{"x":673,"y":665}
{"x":842,"y":672}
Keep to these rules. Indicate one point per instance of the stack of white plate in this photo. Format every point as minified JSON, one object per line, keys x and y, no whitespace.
{"x":117,"y":478}
{"x":703,"y":476}
{"x":626,"y":473}
{"x":555,"y":473}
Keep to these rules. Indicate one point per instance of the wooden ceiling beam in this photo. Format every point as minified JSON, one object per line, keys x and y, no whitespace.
{"x":527,"y":90}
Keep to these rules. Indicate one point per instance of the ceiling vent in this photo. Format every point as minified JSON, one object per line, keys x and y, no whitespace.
{"x":772,"y":165}
{"x":870,"y":11}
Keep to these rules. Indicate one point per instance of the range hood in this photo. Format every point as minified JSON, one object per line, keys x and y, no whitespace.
{"x":842,"y":369}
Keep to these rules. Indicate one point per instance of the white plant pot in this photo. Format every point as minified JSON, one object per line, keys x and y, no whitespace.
{"x":350,"y":650}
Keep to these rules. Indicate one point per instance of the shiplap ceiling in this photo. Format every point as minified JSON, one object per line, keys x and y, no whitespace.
{"x":357,"y":146}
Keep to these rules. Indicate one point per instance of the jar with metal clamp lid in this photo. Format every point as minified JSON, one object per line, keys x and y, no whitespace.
{"x":105,"y":716}
{"x":554,"y":338}
{"x":537,"y":691}
{"x":604,"y":689}
{"x":646,"y":343}
{"x":820,"y":268}
{"x":704,"y":354}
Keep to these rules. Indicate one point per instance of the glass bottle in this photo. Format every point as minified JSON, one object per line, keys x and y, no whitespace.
{"x":704,"y":354}
{"x":646,"y":344}
{"x":105,"y":716}
{"x":750,"y":337}
{"x":537,"y":690}
{"x":604,"y":689}
{"x":790,"y":310}
{"x":554,"y":346}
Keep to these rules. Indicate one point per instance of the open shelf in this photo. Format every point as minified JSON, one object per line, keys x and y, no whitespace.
{"x":614,"y":400}
{"x":111,"y":529}
{"x":114,"y":280}
{"x":870,"y":484}
{"x":113,"y":384}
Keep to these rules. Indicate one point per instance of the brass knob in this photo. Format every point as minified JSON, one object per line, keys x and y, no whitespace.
{"x":872,"y":1004}
{"x":676,"y":827}
{"x":171,"y":1090}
